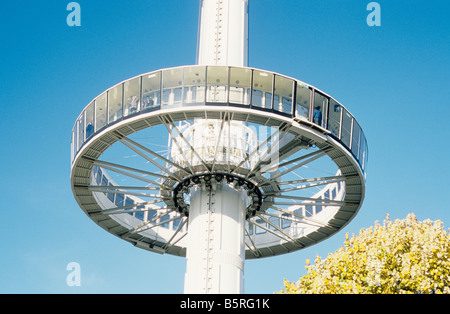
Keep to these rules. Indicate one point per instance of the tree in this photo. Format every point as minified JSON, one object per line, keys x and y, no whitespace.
{"x":401,"y":256}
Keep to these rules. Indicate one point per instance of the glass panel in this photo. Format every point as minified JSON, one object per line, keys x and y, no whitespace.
{"x":129,"y":202}
{"x":362,"y":146}
{"x":366,"y":157}
{"x":99,"y":176}
{"x":274,"y":221}
{"x":333,"y":193}
{"x":100,"y":111}
{"x":217,"y":84}
{"x":260,"y":230}
{"x":309,"y":211}
{"x":285,"y":223}
{"x":319,"y":112}
{"x":80,"y":130}
{"x":363,"y":152}
{"x":151,"y":214}
{"x":140,"y":215}
{"x":176,"y":224}
{"x":94,"y":172}
{"x":303,"y":99}
{"x":172,"y":87}
{"x":151,"y":90}
{"x":90,"y":120}
{"x":283,"y":94}
{"x":318,"y":209}
{"x":355,"y":139}
{"x":334,"y":117}
{"x":132,"y":96}
{"x":75,"y":139}
{"x":257,"y":98}
{"x":163,"y":219}
{"x":299,"y":212}
{"x":346,"y":127}
{"x":119,"y":199}
{"x":104,"y":181}
{"x":115,"y":103}
{"x":240,"y":81}
{"x":194,"y":85}
{"x":111,"y":195}
{"x":249,"y":228}
{"x":262,"y":89}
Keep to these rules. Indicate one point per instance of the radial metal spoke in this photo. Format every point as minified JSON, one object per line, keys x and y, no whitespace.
{"x":315,"y":155}
{"x":266,"y":157}
{"x":192,"y":149}
{"x":305,"y":220}
{"x":305,"y":203}
{"x":107,"y":188}
{"x":267,"y":140}
{"x":138,"y":228}
{"x":218,"y":142}
{"x":282,"y":237}
{"x":254,"y":251}
{"x":300,"y":158}
{"x":137,"y":210}
{"x":174,"y":139}
{"x":148,"y":227}
{"x":331,"y":178}
{"x":312,"y":199}
{"x":146,"y":149}
{"x":127,"y":171}
{"x":277,"y":228}
{"x":166,"y":246}
{"x":258,"y":147}
{"x":145,"y":226}
{"x":178,"y":240}
{"x":138,"y":148}
{"x":284,"y":217}
{"x":128,"y":193}
{"x":131,"y":206}
{"x":307,"y":186}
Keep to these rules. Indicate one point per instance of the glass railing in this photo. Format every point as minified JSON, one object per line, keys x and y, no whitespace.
{"x":221,"y":85}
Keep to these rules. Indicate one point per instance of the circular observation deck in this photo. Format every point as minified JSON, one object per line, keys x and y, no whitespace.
{"x":140,"y":147}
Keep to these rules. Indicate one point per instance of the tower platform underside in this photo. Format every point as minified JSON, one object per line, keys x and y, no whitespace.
{"x":218,"y":162}
{"x":146,"y":199}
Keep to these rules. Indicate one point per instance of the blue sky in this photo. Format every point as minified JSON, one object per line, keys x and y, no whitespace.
{"x":394,"y":78}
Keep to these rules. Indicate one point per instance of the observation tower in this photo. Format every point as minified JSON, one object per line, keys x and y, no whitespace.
{"x":218,"y":162}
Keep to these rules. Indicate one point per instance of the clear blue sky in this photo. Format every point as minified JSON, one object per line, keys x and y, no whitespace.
{"x":393,"y":78}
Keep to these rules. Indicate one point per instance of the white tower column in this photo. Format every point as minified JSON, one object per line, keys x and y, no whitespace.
{"x":223,"y":37}
{"x":216,"y":250}
{"x":216,"y":244}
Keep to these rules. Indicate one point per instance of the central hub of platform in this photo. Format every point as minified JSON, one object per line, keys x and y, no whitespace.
{"x":214,"y":142}
{"x":212,"y":182}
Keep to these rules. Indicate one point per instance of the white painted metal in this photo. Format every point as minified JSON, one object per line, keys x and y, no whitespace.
{"x":216,"y":246}
{"x":223,"y":38}
{"x":215,"y":142}
{"x":216,"y":250}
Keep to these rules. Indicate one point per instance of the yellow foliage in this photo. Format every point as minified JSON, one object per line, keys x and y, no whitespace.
{"x":401,"y":256}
